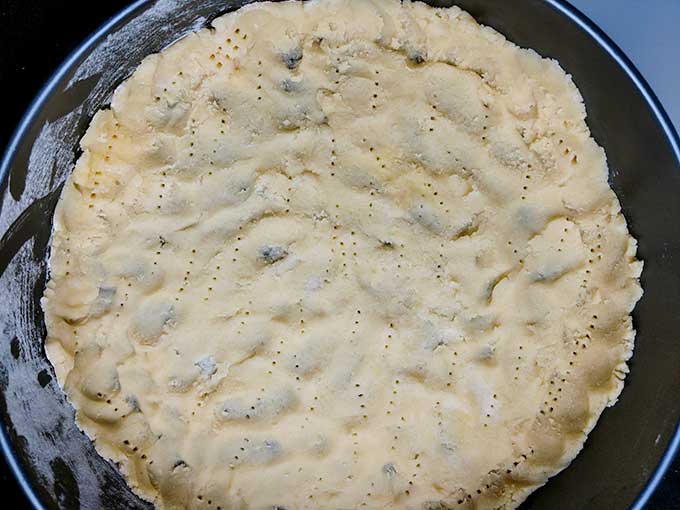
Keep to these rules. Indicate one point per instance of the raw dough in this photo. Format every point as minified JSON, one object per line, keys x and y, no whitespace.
{"x":341,"y":254}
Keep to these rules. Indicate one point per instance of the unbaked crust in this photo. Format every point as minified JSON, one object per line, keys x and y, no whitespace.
{"x":341,"y":254}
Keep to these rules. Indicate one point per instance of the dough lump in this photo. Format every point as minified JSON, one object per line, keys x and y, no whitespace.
{"x":341,"y":254}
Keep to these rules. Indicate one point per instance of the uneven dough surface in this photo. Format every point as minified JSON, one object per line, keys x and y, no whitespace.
{"x":341,"y":254}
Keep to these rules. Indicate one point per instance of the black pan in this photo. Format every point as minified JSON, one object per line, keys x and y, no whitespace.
{"x":632,"y":445}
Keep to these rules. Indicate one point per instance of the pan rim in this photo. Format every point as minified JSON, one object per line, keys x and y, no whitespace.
{"x":561,"y":6}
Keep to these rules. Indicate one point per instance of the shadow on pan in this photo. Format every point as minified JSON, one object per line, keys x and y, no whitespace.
{"x":624,"y":456}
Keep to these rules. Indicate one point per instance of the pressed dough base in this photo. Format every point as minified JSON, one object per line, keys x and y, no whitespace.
{"x":341,"y":254}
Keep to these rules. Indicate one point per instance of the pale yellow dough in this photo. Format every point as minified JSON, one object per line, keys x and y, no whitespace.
{"x":341,"y":254}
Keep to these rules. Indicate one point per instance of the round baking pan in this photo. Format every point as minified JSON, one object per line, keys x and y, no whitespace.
{"x":633,"y":443}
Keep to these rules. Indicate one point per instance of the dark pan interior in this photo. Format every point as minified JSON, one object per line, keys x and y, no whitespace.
{"x":60,"y":463}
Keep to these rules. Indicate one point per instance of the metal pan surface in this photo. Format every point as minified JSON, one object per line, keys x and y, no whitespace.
{"x":633,"y":443}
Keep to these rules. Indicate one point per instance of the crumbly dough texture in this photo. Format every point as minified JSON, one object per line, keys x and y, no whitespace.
{"x":341,"y":254}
